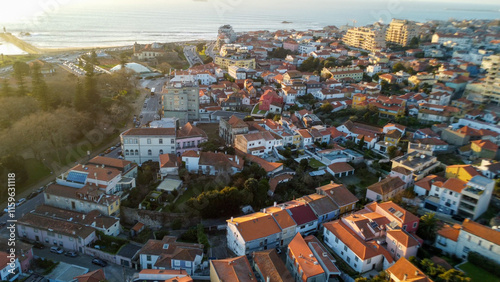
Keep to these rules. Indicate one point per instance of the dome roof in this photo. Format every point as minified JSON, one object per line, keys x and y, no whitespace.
{"x":138,"y":68}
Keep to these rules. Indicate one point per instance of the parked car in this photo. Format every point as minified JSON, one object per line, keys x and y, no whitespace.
{"x":40,"y":190}
{"x":71,"y":254}
{"x":39,"y":245}
{"x":99,"y":262}
{"x":56,"y":250}
{"x":32,"y":195}
{"x":20,"y":201}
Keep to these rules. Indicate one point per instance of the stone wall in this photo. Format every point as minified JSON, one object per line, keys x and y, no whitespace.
{"x":155,"y":220}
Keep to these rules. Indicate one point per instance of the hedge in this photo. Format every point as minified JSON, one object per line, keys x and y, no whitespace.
{"x":484,"y":263}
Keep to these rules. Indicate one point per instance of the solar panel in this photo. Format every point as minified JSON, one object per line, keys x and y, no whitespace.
{"x":77,"y":177}
{"x":373,"y":225}
{"x":392,"y":210}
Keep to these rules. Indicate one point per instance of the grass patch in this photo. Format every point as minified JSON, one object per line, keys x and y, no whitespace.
{"x":478,"y":274}
{"x":450,"y":159}
{"x":9,"y":60}
{"x":211,"y":129}
{"x":256,"y":110}
{"x":36,"y":171}
{"x":314,"y":163}
{"x":382,"y":122}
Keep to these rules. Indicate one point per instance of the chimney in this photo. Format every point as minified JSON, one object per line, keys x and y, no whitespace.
{"x":331,"y":182}
{"x":275,"y":204}
{"x":268,"y":279}
{"x":379,"y":178}
{"x":416,"y":272}
{"x":231,"y":219}
{"x":405,"y":277}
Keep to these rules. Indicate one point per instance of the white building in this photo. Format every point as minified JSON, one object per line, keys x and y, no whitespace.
{"x":470,"y":237}
{"x":254,"y":232}
{"x":140,"y":145}
{"x":257,"y":144}
{"x":212,"y":163}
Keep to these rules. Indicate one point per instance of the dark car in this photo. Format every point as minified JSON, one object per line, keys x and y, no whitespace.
{"x":39,"y":245}
{"x":99,"y":262}
{"x":458,"y":217}
{"x":71,"y":254}
{"x":56,"y":250}
{"x":32,"y":195}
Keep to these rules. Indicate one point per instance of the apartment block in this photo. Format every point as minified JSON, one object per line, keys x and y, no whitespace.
{"x":181,"y":100}
{"x":365,"y":38}
{"x":401,"y":32}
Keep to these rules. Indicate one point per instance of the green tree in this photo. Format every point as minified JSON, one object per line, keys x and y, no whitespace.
{"x":361,"y":143}
{"x":200,"y":47}
{"x":20,"y":71}
{"x":427,"y":227}
{"x":6,"y":90}
{"x":91,"y":93}
{"x":454,"y":275}
{"x":392,"y":151}
{"x":79,"y":102}
{"x":39,"y":88}
{"x":398,"y":67}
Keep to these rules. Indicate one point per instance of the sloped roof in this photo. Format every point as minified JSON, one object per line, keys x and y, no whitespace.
{"x":482,"y":231}
{"x":450,"y":232}
{"x":404,"y":270}
{"x":270,"y":265}
{"x":190,"y":130}
{"x":256,"y":225}
{"x":387,"y":185}
{"x":234,"y":269}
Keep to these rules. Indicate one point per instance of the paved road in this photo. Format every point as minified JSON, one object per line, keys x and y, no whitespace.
{"x":192,"y":55}
{"x":210,"y":50}
{"x":113,"y":272}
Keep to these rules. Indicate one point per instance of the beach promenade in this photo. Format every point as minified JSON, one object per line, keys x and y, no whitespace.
{"x":25,"y":46}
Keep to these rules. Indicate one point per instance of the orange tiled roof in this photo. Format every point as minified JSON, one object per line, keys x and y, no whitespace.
{"x":256,"y":225}
{"x":234,"y":269}
{"x":455,"y":184}
{"x":404,"y":270}
{"x":486,"y":145}
{"x":450,"y":232}
{"x":481,"y":231}
{"x":404,"y":238}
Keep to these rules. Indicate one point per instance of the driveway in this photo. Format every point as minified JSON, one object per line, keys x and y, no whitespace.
{"x":115,"y":273}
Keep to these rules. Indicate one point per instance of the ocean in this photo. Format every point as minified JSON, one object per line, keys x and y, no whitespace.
{"x":169,"y":21}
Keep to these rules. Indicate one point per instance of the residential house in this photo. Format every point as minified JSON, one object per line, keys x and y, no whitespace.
{"x":228,"y":129}
{"x":127,"y":168}
{"x":343,"y":198}
{"x":303,"y":215}
{"x":449,"y":194}
{"x":484,"y":149}
{"x":489,"y":169}
{"x":83,"y":199}
{"x":167,"y":253}
{"x":339,"y":169}
{"x":169,"y":165}
{"x":23,"y":252}
{"x":189,"y":137}
{"x":476,"y":197}
{"x":212,"y":163}
{"x":10,"y":269}
{"x":396,"y":215}
{"x":106,"y":179}
{"x":419,"y":164}
{"x":423,"y":186}
{"x":385,"y":189}
{"x":56,"y":232}
{"x":231,"y":269}
{"x":302,"y":263}
{"x":323,"y":207}
{"x":403,"y":174}
{"x":401,"y":244}
{"x":270,"y":267}
{"x":469,"y":237}
{"x":285,"y":222}
{"x":462,"y":172}
{"x":404,"y":270}
{"x":437,"y":113}
{"x":257,"y":144}
{"x":254,"y":232}
{"x":429,"y":146}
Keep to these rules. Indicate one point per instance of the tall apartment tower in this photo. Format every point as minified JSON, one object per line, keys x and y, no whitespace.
{"x":401,"y":32}
{"x":365,"y":38}
{"x":181,"y":100}
{"x":492,"y":81}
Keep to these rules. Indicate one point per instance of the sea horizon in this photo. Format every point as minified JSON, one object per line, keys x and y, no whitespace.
{"x":83,"y":27}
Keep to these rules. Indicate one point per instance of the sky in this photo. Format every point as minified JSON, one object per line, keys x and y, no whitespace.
{"x":25,"y":9}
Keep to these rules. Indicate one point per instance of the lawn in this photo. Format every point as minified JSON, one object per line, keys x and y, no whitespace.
{"x":314,"y":163}
{"x":478,"y":274}
{"x":211,"y":129}
{"x":8,"y":60}
{"x":256,"y":110}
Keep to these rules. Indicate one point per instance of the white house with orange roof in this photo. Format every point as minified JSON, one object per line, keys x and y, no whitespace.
{"x":469,"y":237}
{"x":449,"y":194}
{"x":254,"y":232}
{"x":404,"y":270}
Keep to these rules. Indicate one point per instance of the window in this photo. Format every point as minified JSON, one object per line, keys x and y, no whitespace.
{"x":160,"y":141}
{"x":161,"y":152}
{"x":468,"y":238}
{"x":177,"y":263}
{"x":172,"y":141}
{"x":150,"y":153}
{"x":148,"y":258}
{"x":398,"y":255}
{"x":137,"y":152}
{"x":149,"y":141}
{"x":345,"y":248}
{"x":348,"y":260}
{"x":188,"y":264}
{"x":415,"y":225}
{"x":491,"y":247}
{"x":356,"y":259}
{"x":126,"y":152}
{"x":479,"y":243}
{"x":466,"y":250}
{"x":35,"y":230}
{"x":336,"y":239}
{"x":404,"y":227}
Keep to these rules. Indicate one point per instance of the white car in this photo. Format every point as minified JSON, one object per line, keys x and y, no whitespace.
{"x":20,"y":201}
